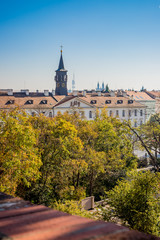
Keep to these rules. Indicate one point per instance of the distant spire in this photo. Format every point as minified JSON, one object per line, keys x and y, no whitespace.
{"x":97,"y":88}
{"x":103,"y":86}
{"x":73,"y":82}
{"x":142,"y":89}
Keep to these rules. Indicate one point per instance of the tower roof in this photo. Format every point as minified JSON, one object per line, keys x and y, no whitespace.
{"x":61,"y":64}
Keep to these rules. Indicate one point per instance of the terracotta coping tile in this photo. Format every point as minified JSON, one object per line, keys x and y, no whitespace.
{"x":41,"y":223}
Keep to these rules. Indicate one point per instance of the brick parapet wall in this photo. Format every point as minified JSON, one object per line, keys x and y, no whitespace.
{"x":22,"y":220}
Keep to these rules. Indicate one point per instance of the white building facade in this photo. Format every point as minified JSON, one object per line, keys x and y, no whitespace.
{"x":120,"y":107}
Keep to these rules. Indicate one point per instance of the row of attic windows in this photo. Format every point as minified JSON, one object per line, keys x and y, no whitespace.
{"x":109,"y":101}
{"x":27,"y":102}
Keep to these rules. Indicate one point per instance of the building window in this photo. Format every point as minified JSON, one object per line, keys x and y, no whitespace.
{"x":93,"y":102}
{"x":135,"y":112}
{"x":29,"y":102}
{"x":43,"y":102}
{"x":110,"y":113}
{"x":10,"y":102}
{"x":50,"y":114}
{"x":119,"y":101}
{"x":135,"y":123}
{"x":108,"y":102}
{"x":130,"y":101}
{"x":129,"y":113}
{"x":123,"y":113}
{"x":141,"y":113}
{"x":141,"y":122}
{"x":90,"y":114}
{"x":117,"y":113}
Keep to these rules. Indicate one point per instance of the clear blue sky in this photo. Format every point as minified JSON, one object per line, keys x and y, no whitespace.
{"x":115,"y":41}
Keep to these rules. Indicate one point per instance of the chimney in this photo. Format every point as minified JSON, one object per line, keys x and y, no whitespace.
{"x":26,"y":91}
{"x":10,"y":92}
{"x":119,"y":93}
{"x":99,"y":93}
{"x":84,"y":93}
{"x":112,"y":93}
{"x":124,"y":94}
{"x":53,"y":92}
{"x":46,"y":93}
{"x":75,"y":92}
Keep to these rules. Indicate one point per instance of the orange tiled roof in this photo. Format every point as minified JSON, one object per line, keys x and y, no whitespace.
{"x":139,"y":96}
{"x":59,"y":97}
{"x":65,"y":99}
{"x":22,"y":102}
{"x":156,"y":94}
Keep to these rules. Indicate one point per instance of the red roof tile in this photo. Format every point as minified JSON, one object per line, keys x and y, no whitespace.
{"x":41,"y":223}
{"x":22,"y":102}
{"x":139,"y":96}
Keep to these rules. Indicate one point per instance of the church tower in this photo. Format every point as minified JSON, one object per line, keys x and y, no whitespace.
{"x":61,"y":78}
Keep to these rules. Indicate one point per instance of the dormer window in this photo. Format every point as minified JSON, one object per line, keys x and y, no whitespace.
{"x":108,"y":102}
{"x":119,"y":101}
{"x":10,"y":102}
{"x":93,"y":102}
{"x":29,"y":102}
{"x":130,"y":101}
{"x":43,"y":102}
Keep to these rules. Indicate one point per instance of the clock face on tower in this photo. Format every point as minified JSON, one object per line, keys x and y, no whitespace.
{"x":63,"y":84}
{"x":58,"y":84}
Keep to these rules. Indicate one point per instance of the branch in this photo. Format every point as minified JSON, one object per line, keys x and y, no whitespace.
{"x":153,"y":159}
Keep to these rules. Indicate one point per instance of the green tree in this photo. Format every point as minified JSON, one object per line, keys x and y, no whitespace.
{"x":79,"y":157}
{"x":114,"y":139}
{"x":96,"y":163}
{"x":60,"y":149}
{"x":107,"y":151}
{"x":72,"y":207}
{"x":107,"y":88}
{"x":136,"y":201}
{"x":19,"y":157}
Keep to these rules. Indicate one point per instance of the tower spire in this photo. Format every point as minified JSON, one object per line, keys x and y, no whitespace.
{"x":61,"y":64}
{"x":61,"y":48}
{"x":61,"y":78}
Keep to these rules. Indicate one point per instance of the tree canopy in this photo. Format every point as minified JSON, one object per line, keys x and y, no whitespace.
{"x":19,"y":157}
{"x":57,"y":161}
{"x":136,"y":201}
